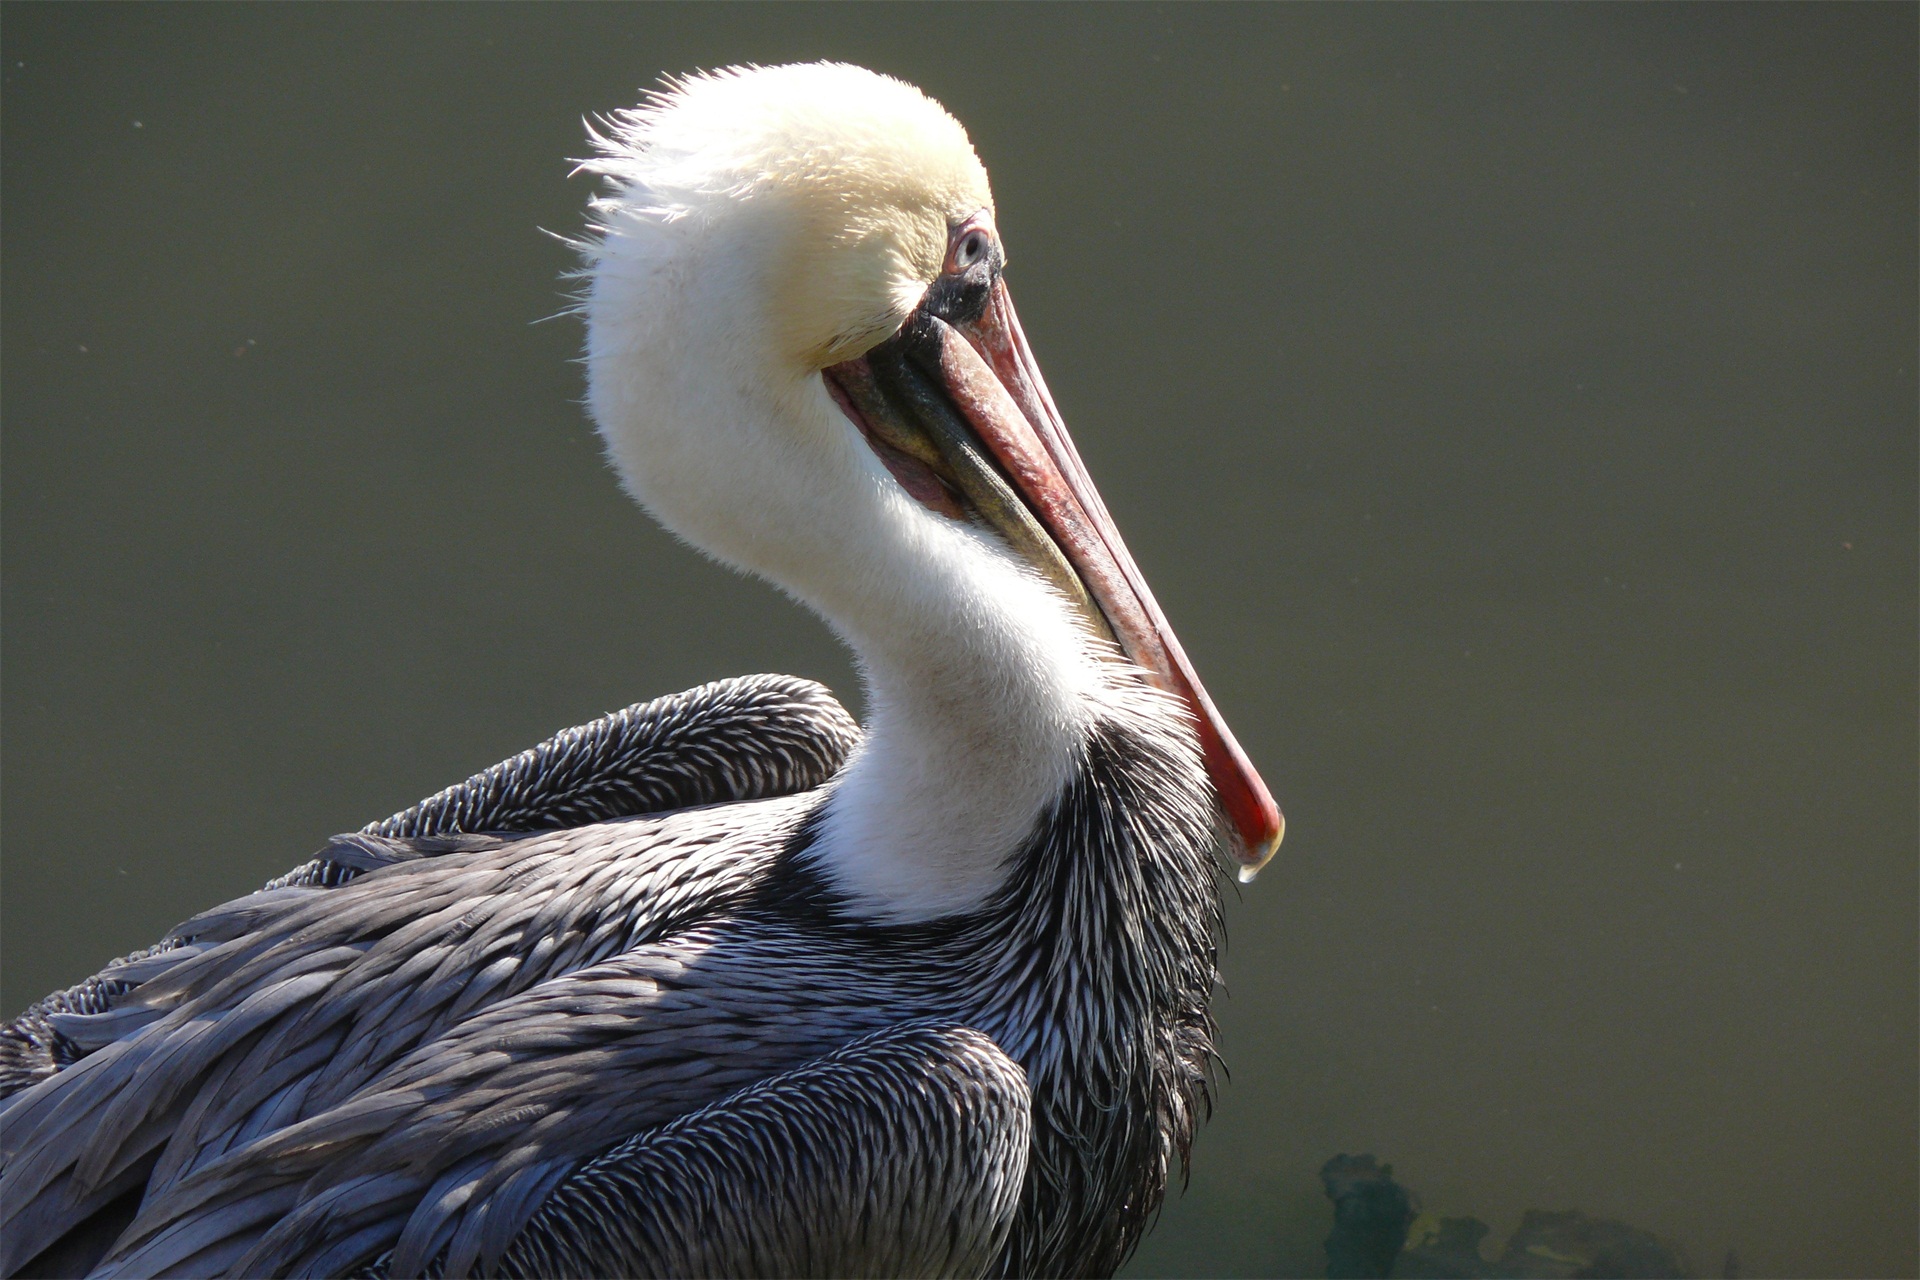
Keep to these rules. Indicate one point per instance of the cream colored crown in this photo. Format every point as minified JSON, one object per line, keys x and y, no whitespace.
{"x":849,"y":182}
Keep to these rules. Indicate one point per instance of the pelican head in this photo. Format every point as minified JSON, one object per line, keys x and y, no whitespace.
{"x":804,"y":361}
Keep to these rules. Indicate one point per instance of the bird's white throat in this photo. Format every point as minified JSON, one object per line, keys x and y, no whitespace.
{"x":978,"y":711}
{"x":981,"y":680}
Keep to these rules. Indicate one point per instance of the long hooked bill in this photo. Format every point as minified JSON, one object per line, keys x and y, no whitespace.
{"x":1037,"y":494}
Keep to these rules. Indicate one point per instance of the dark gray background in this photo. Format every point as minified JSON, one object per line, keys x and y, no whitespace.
{"x":1513,"y":407}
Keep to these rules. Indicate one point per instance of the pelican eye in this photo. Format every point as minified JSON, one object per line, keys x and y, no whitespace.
{"x":969,"y":249}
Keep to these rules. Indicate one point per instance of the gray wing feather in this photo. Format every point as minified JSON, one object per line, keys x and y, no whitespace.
{"x":32,"y":1046}
{"x":306,"y":996}
{"x":739,"y":739}
{"x":900,"y":1155}
{"x":459,"y":1140}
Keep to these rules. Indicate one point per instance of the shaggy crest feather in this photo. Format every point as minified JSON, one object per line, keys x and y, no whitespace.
{"x":862,"y":170}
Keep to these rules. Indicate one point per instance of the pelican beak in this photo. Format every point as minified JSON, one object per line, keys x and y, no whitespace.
{"x":957,"y":410}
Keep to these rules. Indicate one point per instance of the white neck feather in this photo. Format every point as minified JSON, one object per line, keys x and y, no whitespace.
{"x":980,"y":693}
{"x":981,"y":680}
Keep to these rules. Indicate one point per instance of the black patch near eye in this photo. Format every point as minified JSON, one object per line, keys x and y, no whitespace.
{"x":960,"y":297}
{"x":961,"y":293}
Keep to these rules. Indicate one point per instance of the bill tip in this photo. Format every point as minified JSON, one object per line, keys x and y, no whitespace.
{"x":1260,"y":851}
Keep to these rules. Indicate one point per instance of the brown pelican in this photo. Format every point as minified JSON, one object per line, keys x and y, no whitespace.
{"x":721,"y":984}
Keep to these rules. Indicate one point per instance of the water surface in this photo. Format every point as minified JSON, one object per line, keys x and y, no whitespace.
{"x":1514,"y":408}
